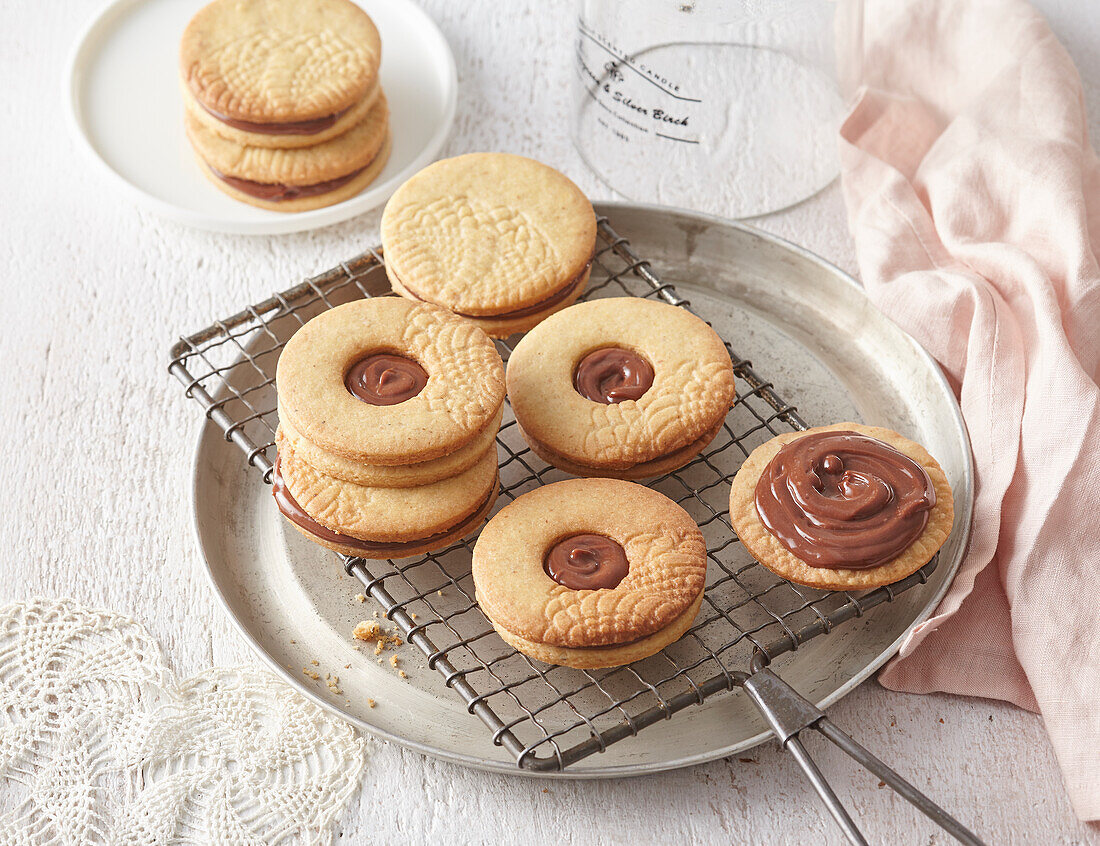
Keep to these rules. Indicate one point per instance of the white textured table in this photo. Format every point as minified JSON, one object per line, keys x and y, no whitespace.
{"x":96,"y":442}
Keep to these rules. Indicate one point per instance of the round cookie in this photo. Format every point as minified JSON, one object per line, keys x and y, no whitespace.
{"x":669,"y":422}
{"x":279,"y":61}
{"x":395,"y":475}
{"x":606,"y":618}
{"x":766,"y":548}
{"x":498,"y":238}
{"x":281,"y":139}
{"x":461,"y":397}
{"x":386,"y":516}
{"x":299,"y":179}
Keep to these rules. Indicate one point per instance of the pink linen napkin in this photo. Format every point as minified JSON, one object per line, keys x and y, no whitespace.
{"x":974,"y":199}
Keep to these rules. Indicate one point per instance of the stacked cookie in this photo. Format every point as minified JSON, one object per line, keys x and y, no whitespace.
{"x":283,"y":105}
{"x":388,"y":411}
{"x":500,"y":239}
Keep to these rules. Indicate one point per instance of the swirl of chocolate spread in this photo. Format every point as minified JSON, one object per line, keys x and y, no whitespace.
{"x":586,"y":562}
{"x":611,"y":375}
{"x":841,"y":500}
{"x":385,"y":379}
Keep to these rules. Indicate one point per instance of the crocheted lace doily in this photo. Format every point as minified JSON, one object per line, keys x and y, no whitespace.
{"x":100,"y":743}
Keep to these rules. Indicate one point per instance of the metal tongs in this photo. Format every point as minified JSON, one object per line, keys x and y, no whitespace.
{"x":789,"y":714}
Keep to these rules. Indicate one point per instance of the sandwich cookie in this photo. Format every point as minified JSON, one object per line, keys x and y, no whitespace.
{"x":280,"y":73}
{"x":375,"y":522}
{"x":296,"y":179}
{"x":621,"y":387}
{"x":590,"y":573}
{"x":338,"y":375}
{"x":498,"y":238}
{"x":842,"y":507}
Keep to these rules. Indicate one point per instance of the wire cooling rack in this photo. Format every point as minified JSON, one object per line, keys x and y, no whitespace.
{"x":547,"y":717}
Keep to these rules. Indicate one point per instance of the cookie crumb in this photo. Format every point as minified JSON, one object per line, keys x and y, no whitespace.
{"x":439,"y":593}
{"x":314,"y":663}
{"x":347,"y":666}
{"x":402,"y":674}
{"x":366,"y":630}
{"x":412,"y":614}
{"x":393,"y":660}
{"x":360,"y":597}
{"x":371,"y":703}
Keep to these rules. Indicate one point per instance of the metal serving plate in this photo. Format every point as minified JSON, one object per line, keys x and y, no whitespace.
{"x":807,"y":327}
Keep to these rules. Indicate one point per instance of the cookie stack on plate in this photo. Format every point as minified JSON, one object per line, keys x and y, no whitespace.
{"x":283,"y":105}
{"x":388,"y":411}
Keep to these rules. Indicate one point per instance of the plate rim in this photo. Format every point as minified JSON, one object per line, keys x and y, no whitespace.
{"x":207,"y":429}
{"x":304,"y":221}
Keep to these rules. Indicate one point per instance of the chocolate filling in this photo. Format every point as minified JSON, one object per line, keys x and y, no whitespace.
{"x":610,"y":375}
{"x":385,"y":379}
{"x":293,"y":127}
{"x":841,"y":500}
{"x":277,"y":192}
{"x":586,"y":562}
{"x":294,"y":512}
{"x":553,"y":299}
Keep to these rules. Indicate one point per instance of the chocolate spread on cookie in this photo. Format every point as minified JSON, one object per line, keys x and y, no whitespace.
{"x":276,"y":192}
{"x":385,"y":379}
{"x":294,"y":512}
{"x":841,"y":500}
{"x":293,"y":127}
{"x":611,"y":375}
{"x":586,"y":562}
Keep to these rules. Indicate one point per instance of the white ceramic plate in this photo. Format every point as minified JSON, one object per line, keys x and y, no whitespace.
{"x":122,"y":89}
{"x":806,"y":326}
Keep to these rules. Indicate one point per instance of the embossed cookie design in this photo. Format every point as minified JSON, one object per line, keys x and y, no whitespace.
{"x":842,"y":507}
{"x":590,"y":573}
{"x":500,"y":239}
{"x":620,"y":387}
{"x":388,"y":412}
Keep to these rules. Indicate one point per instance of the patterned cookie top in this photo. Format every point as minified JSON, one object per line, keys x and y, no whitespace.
{"x":664,"y":549}
{"x":463,"y":392}
{"x":769,"y":551}
{"x":487,"y":233}
{"x":279,"y":61}
{"x":692,"y":388}
{"x":346,"y":153}
{"x":386,"y":515}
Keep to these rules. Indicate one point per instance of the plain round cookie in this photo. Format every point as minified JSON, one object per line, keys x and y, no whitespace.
{"x":279,"y":61}
{"x":664,"y":547}
{"x":391,"y":475}
{"x":766,"y":548}
{"x":464,"y":391}
{"x":387,"y":515}
{"x":693,"y":386}
{"x":487,"y":234}
{"x":355,"y":149}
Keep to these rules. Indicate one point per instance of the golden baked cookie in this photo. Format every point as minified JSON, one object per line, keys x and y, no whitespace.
{"x":498,"y":238}
{"x":298,"y":179}
{"x":622,"y":387}
{"x":590,"y":572}
{"x":393,"y":475}
{"x":279,"y":61}
{"x":382,"y":522}
{"x":461,"y":393}
{"x":839,"y":498}
{"x":281,"y":136}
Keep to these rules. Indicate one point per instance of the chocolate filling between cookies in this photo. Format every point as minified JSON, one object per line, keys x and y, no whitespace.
{"x":611,"y":375}
{"x":277,"y":192}
{"x":841,"y":500}
{"x":385,"y":379}
{"x":541,"y":305}
{"x":313,"y":126}
{"x":586,"y":561}
{"x":294,"y":512}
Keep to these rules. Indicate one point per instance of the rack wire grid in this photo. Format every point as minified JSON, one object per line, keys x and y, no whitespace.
{"x":547,"y":717}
